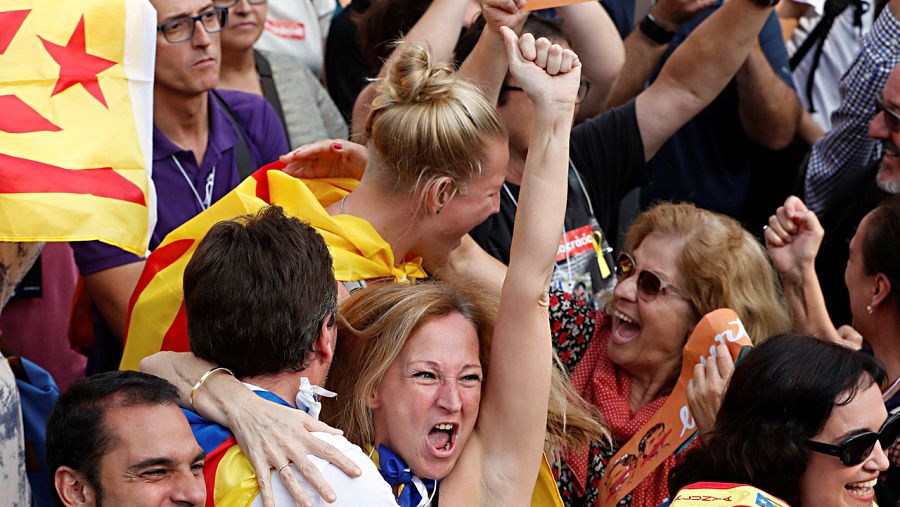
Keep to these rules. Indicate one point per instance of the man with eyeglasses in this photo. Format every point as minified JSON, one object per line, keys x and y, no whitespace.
{"x":855,"y":165}
{"x":202,"y":138}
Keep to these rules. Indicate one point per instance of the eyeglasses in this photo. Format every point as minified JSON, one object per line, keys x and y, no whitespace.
{"x":231,"y":3}
{"x":182,"y":29}
{"x":583,"y":88}
{"x":649,"y":284}
{"x":857,"y":448}
{"x":891,"y":119}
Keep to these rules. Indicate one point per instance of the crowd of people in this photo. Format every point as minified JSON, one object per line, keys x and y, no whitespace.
{"x":455,"y":252}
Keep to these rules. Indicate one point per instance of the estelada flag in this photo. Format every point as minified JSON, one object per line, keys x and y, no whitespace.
{"x":76,"y":119}
{"x":673,"y":427}
{"x":156,"y":317}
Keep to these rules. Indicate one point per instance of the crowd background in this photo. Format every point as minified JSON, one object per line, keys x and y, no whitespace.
{"x":659,"y":161}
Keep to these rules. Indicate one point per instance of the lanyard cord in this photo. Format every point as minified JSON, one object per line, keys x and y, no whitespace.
{"x":206,"y":202}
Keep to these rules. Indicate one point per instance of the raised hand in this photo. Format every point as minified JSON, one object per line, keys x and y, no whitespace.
{"x":548,"y":74}
{"x":499,"y":13}
{"x":706,"y":389}
{"x":793,"y":237}
{"x":329,"y":158}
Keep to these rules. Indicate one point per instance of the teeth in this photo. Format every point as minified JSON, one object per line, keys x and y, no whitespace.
{"x":867,"y":484}
{"x":622,"y":316}
{"x":445,"y":427}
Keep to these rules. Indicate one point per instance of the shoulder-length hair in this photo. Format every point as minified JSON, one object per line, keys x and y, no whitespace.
{"x":375,"y":323}
{"x":723,"y":265}
{"x":781,"y":395}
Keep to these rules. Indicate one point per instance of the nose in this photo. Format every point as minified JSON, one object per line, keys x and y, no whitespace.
{"x":201,"y":37}
{"x":189,"y":489}
{"x":878,"y":128}
{"x":878,"y":460}
{"x":626,"y":289}
{"x":449,"y":398}
{"x":242,"y":7}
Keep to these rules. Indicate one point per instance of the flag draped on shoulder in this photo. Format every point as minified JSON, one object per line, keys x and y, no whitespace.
{"x":76,"y":119}
{"x":156,"y":317}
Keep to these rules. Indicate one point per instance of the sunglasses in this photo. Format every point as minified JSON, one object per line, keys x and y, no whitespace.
{"x":649,"y":284}
{"x":857,"y":448}
{"x":891,"y":119}
{"x":583,"y":88}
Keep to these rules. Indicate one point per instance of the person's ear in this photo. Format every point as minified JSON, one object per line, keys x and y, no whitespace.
{"x":881,"y":291}
{"x":73,"y":488}
{"x":373,"y":400}
{"x":439,"y":194}
{"x":326,"y":340}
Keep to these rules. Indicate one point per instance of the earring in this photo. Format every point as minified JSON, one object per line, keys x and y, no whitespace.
{"x":869,"y":309}
{"x":437,"y":211}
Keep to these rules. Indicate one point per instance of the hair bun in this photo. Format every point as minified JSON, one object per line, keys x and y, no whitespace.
{"x":414,"y":77}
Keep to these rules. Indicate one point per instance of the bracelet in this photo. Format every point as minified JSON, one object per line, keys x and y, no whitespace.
{"x":653,"y":30}
{"x":203,"y":379}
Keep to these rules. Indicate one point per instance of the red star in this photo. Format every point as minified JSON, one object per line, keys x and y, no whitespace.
{"x":10,"y":22}
{"x":76,"y":65}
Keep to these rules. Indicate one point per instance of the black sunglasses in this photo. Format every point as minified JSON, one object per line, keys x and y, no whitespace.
{"x":649,"y":284}
{"x":891,"y":119}
{"x":857,"y":448}
{"x":583,"y":88}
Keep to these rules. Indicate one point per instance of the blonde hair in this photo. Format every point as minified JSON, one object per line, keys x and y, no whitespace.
{"x":373,"y":326}
{"x":722,"y":264}
{"x":426,"y":123}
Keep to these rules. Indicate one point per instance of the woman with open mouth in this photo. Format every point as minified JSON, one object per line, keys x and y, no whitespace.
{"x":803,"y":420}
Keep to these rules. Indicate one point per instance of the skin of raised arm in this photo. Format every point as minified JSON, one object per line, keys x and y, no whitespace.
{"x":516,"y":392}
{"x":596,"y":41}
{"x":789,"y":13}
{"x":698,"y":71}
{"x":643,"y":55}
{"x":110,"y":291}
{"x":487,"y":64}
{"x":768,"y":108}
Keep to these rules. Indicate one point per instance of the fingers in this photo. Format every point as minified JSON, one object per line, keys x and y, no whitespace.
{"x":262,"y":476}
{"x":851,"y":337}
{"x":724,"y":363}
{"x":542,"y":47}
{"x":296,"y":489}
{"x":527,"y":47}
{"x":312,"y":424}
{"x":567,"y":61}
{"x":513,"y":44}
{"x":320,"y":448}
{"x":554,"y":59}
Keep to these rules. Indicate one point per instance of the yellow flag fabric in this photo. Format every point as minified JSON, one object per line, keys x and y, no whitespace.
{"x":76,"y":119}
{"x":156,"y":318}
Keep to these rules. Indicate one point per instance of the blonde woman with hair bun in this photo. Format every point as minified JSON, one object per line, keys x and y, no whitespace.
{"x":437,"y":160}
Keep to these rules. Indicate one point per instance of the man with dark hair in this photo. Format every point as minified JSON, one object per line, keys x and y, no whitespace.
{"x":261,"y":299}
{"x":120,"y":439}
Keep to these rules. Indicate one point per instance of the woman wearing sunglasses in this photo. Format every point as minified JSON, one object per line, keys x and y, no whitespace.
{"x":678,"y":263}
{"x":803,"y":420}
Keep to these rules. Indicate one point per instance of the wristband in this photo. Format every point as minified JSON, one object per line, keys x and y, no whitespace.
{"x":203,"y":379}
{"x":653,"y":30}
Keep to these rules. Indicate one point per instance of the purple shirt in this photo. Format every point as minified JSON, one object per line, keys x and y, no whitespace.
{"x":176,"y":200}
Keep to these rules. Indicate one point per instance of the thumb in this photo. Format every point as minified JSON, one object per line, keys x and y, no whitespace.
{"x":512,"y":44}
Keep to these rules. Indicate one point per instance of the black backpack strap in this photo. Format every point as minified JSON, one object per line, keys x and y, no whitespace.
{"x":270,"y":92}
{"x":833,"y":9}
{"x":245,"y":164}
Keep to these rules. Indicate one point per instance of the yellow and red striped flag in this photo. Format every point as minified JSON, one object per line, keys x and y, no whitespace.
{"x":156,"y":318}
{"x":76,"y":120}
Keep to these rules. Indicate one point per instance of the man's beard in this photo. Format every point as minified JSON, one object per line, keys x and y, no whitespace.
{"x":889,"y":183}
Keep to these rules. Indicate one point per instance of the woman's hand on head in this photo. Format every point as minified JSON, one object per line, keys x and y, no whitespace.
{"x":706,"y":389}
{"x":271,"y":435}
{"x":548,"y":73}
{"x":793,"y":237}
{"x":499,"y":13}
{"x":328,"y":158}
{"x":850,"y":337}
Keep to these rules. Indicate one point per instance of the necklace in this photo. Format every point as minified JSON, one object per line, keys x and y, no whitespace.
{"x":206,"y":202}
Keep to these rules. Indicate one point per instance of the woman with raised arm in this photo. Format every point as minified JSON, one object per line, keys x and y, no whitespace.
{"x":501,"y":456}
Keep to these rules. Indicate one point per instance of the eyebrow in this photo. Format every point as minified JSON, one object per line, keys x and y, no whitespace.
{"x":163,"y":462}
{"x":185,"y":14}
{"x":436,"y":366}
{"x":854,"y":432}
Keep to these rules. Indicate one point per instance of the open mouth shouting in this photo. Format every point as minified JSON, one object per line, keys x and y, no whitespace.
{"x":442,"y":439}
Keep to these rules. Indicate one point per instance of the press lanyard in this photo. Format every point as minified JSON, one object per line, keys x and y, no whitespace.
{"x":206,"y":202}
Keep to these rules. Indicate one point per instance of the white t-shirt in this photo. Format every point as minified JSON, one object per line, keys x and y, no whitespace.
{"x":298,"y":28}
{"x":367,"y":489}
{"x":840,"y":49}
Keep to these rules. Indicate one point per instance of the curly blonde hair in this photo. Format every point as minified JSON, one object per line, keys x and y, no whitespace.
{"x":723,"y":265}
{"x":375,"y":323}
